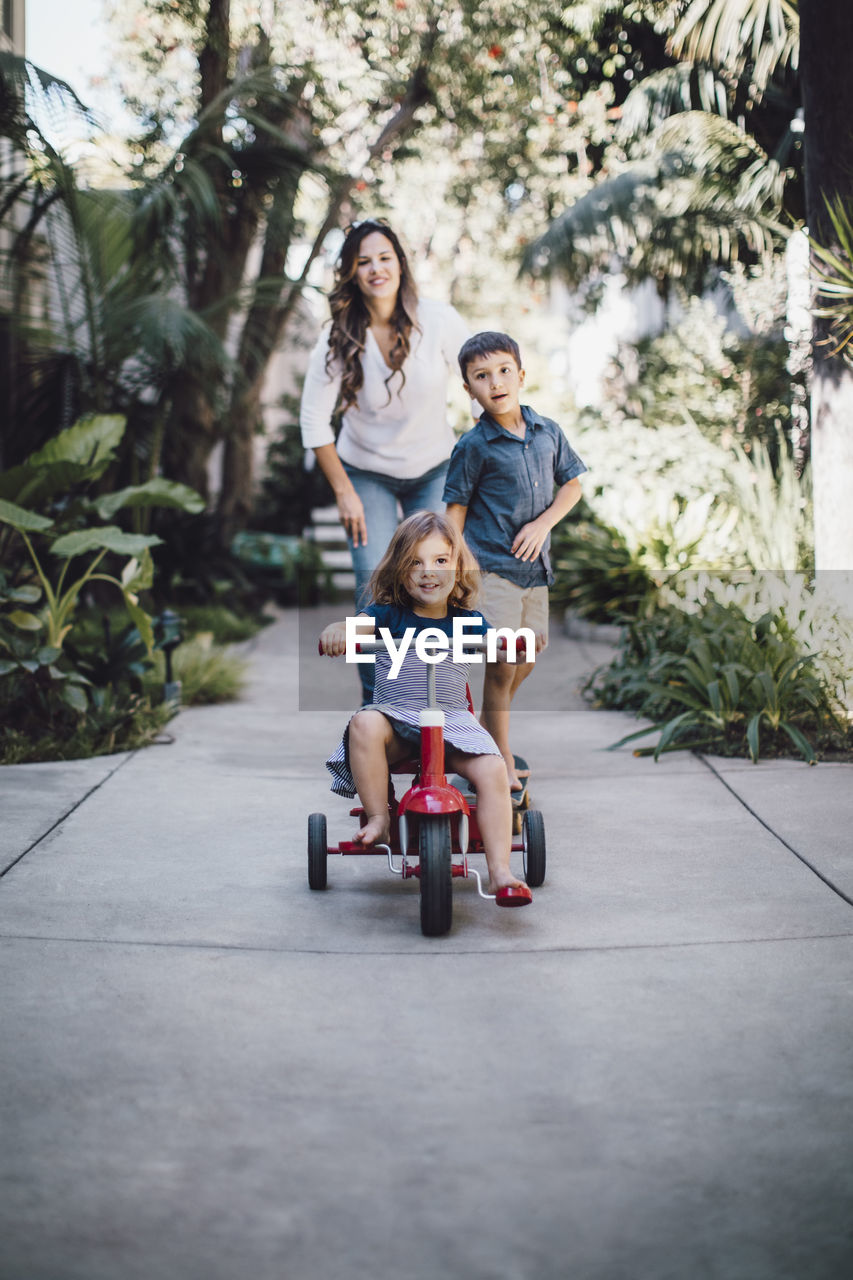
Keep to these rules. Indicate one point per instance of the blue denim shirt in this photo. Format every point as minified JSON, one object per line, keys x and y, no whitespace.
{"x":506,"y":481}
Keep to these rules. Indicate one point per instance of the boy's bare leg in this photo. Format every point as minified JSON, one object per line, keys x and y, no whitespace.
{"x":372,"y":744}
{"x":500,"y":685}
{"x":494,"y":812}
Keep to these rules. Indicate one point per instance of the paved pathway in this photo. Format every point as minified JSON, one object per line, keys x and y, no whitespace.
{"x":211,"y":1073}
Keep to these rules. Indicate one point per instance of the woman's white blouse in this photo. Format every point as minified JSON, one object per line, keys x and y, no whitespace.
{"x":396,"y":428}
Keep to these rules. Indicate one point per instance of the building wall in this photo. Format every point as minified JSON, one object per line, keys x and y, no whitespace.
{"x":13,"y":35}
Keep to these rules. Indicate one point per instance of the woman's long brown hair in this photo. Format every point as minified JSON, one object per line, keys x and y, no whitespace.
{"x":351,"y":319}
{"x":388,"y":581}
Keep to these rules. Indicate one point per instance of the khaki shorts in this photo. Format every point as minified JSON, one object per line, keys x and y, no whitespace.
{"x":503,"y":604}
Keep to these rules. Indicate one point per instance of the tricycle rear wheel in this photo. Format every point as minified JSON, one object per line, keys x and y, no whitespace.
{"x":435,"y":875}
{"x":533,"y":845}
{"x":317,"y":850}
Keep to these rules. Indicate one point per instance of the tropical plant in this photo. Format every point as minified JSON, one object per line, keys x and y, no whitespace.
{"x":56,"y":549}
{"x":706,"y":156}
{"x":718,"y":681}
{"x":833,"y":271}
{"x":60,"y":481}
{"x":62,"y":596}
{"x":208,"y":673}
{"x":100,"y":326}
{"x":596,"y":575}
{"x":697,"y":191}
{"x":110,"y":658}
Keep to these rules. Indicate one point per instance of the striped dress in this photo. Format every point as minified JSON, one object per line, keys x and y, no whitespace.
{"x":400,"y":700}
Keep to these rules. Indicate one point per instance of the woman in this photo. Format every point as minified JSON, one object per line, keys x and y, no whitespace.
{"x":384,"y":364}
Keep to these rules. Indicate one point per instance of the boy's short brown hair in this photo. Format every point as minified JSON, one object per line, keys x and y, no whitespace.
{"x":487,"y":343}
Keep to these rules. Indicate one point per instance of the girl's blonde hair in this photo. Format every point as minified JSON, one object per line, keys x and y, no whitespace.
{"x":388,"y":581}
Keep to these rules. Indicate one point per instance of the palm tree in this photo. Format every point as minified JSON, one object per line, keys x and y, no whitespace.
{"x":711,"y":167}
{"x":825,"y":42}
{"x":765,"y":35}
{"x":103,"y":328}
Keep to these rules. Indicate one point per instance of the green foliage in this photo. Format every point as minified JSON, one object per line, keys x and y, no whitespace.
{"x":193,"y":568}
{"x":705,"y":163}
{"x":679,"y":503}
{"x":61,"y":599}
{"x":751,"y":37}
{"x":207,"y":672}
{"x":57,"y":478}
{"x":287,"y":568}
{"x":289,"y":493}
{"x":66,"y":696}
{"x":689,"y":465}
{"x":113,"y":723}
{"x":110,"y":657}
{"x":718,"y":681}
{"x":596,"y":575}
{"x":225,"y":625}
{"x":834,"y":271}
{"x":700,"y":192}
{"x":699,"y":371}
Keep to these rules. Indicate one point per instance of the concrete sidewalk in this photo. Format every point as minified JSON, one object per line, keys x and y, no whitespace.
{"x":211,"y":1072}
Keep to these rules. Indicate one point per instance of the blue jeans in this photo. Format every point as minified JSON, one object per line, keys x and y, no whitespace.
{"x":383,"y":498}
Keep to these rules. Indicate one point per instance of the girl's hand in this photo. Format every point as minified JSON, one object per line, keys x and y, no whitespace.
{"x":502,"y":653}
{"x":333,"y":640}
{"x":529,"y":540}
{"x":351,"y":512}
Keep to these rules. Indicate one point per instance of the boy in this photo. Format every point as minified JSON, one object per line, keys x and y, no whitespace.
{"x":500,"y":493}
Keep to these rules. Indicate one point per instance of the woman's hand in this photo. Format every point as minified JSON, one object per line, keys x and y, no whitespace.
{"x":350,"y":508}
{"x":333,"y":640}
{"x":351,"y":512}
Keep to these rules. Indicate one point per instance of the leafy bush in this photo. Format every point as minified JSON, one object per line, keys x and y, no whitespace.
{"x":289,"y":492}
{"x":732,"y":386}
{"x":679,"y":502}
{"x":63,"y":699}
{"x":719,"y":681}
{"x":226,"y":625}
{"x":112,"y":722}
{"x":100,"y":631}
{"x":287,"y":568}
{"x":691,"y":466}
{"x":207,"y":672}
{"x":193,"y":568}
{"x":596,"y":574}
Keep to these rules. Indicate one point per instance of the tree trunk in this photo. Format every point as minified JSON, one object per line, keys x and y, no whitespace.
{"x":826,"y":41}
{"x":267,"y":322}
{"x":193,"y":434}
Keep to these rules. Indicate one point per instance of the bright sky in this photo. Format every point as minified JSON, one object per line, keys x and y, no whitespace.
{"x":67,"y":38}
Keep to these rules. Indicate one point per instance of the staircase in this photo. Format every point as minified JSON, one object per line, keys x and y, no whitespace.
{"x":327,"y":532}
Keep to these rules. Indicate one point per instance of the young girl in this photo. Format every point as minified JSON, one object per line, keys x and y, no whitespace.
{"x":426,"y":578}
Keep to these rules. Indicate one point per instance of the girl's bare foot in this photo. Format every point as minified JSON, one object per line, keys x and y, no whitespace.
{"x":500,"y":879}
{"x":377,"y":830}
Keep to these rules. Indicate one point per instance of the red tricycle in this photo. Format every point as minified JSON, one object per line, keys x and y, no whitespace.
{"x":433,"y":827}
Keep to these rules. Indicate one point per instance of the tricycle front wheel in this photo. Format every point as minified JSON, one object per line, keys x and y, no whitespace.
{"x":317,"y":850}
{"x":436,"y":876}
